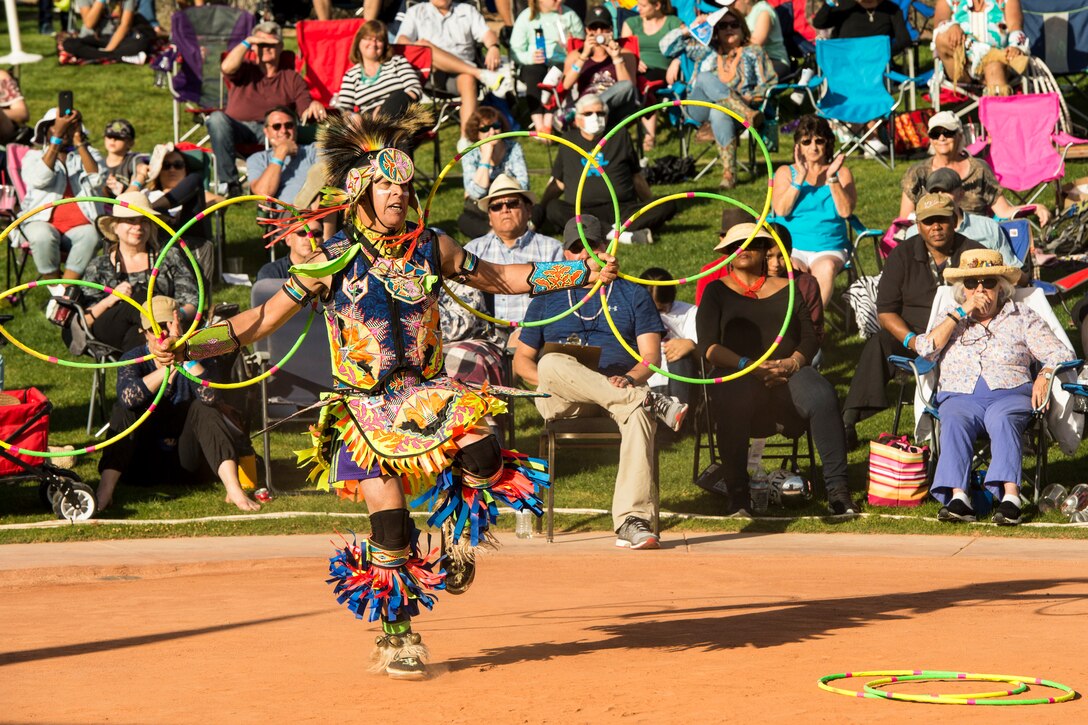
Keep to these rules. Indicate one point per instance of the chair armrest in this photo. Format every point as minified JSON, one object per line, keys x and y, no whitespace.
{"x":1058,"y":369}
{"x":917,"y":365}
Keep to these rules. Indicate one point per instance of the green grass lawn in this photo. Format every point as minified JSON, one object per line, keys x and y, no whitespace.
{"x":103,"y":93}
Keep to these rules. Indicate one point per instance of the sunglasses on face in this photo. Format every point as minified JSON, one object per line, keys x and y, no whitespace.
{"x":598,"y":114}
{"x":496,"y":126}
{"x":173,"y":165}
{"x":728,"y":26}
{"x":942,"y":133}
{"x":264,"y":46}
{"x":986,"y":282}
{"x":286,"y":126}
{"x":814,"y":140}
{"x":508,"y":204}
{"x":316,"y":233}
{"x":755,"y":246}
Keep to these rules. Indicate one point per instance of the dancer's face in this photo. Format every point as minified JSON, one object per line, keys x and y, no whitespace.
{"x":390,"y":202}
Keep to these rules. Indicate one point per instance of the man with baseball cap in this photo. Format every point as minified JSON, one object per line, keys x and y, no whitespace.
{"x":618,"y":385}
{"x":187,"y":436}
{"x":908,"y":285}
{"x":978,"y":228}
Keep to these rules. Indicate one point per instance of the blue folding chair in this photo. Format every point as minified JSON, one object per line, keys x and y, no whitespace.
{"x":1057,"y":29}
{"x":855,"y":71}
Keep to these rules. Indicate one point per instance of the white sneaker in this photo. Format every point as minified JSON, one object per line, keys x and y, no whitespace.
{"x":138,"y":59}
{"x":491,"y":79}
{"x":639,"y":236}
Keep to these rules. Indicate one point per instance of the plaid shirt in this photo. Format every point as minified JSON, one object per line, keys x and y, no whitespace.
{"x":529,"y":247}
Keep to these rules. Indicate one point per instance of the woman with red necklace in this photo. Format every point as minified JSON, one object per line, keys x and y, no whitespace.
{"x":738,"y":319}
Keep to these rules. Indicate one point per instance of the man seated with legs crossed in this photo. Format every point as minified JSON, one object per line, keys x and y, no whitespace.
{"x":618,"y":385}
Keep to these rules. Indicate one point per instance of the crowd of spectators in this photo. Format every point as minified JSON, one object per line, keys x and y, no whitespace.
{"x":600,"y":56}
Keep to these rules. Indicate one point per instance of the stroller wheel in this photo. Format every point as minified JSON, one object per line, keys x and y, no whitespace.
{"x":74,"y":501}
{"x":49,"y":488}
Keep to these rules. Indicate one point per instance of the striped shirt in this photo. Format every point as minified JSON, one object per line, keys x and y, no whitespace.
{"x":529,"y":247}
{"x":359,"y":93}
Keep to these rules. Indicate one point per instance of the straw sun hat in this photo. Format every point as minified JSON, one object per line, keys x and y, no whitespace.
{"x":982,"y":263}
{"x":106,"y":222}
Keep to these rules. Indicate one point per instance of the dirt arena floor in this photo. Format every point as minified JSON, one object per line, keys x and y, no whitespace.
{"x":714,"y":628}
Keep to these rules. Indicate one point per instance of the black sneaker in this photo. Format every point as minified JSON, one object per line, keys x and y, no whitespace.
{"x":1007,"y":514}
{"x":842,"y":505}
{"x":667,"y":409}
{"x":956,"y":510}
{"x":636,"y":533}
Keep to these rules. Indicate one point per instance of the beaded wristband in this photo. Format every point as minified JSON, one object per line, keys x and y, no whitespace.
{"x":213,"y":340}
{"x":547,"y":277}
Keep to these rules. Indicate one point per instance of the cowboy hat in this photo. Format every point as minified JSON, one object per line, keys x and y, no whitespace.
{"x":129,"y":199}
{"x":504,"y":185}
{"x":740,"y":232}
{"x":982,"y":263}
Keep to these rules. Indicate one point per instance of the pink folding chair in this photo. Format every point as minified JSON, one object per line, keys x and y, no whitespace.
{"x":1021,"y":132}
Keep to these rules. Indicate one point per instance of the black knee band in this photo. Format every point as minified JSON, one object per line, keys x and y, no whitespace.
{"x":391,"y":529}
{"x":482,"y":458}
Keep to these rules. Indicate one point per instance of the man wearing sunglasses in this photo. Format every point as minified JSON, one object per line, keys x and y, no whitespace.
{"x":255,"y":87}
{"x":511,"y":241}
{"x":280,"y":170}
{"x":908,"y":285}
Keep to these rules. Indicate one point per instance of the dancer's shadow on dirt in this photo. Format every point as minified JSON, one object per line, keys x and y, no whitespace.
{"x":107,"y":645}
{"x":774,"y":623}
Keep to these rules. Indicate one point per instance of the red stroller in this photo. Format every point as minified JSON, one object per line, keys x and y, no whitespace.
{"x":25,"y":425}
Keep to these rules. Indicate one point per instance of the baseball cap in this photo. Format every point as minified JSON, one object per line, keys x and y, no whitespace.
{"x":593,"y":229}
{"x":163,"y":309}
{"x":945,"y":180}
{"x":935,"y":205}
{"x":121,"y":129}
{"x":598,"y":16}
{"x":945,"y":119}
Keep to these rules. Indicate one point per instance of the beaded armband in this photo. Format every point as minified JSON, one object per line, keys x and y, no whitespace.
{"x":299,"y":293}
{"x":548,"y":277}
{"x":213,"y":340}
{"x":468,"y":266}
{"x":387,"y":558}
{"x":473,"y":481}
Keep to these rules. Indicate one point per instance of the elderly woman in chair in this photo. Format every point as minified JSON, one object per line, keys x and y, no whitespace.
{"x":986,"y":343}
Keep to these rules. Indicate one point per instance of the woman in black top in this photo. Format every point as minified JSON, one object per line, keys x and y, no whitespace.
{"x":738,"y":319}
{"x":864,"y":19}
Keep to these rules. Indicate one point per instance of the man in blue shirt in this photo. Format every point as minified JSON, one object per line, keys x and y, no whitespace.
{"x":280,"y":170}
{"x":618,"y":385}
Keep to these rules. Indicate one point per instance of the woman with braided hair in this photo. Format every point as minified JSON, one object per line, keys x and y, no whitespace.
{"x":393,"y":421}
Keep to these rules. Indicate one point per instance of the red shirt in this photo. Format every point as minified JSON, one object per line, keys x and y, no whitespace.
{"x":251,"y":93}
{"x":68,"y":216}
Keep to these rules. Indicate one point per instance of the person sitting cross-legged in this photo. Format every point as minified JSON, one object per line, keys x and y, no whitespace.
{"x":618,"y":385}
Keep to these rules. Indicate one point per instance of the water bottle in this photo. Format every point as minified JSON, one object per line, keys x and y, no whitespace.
{"x":759,"y":491}
{"x":523,"y":524}
{"x":1077,"y":500}
{"x":1052,"y":497}
{"x":1080,"y":517}
{"x":540,"y":45}
{"x":755,"y":456}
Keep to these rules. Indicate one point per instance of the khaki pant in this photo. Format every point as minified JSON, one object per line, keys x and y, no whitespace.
{"x":576,"y":391}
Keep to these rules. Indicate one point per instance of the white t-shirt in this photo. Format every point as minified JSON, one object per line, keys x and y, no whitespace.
{"x":457,"y":32}
{"x":679,"y":324}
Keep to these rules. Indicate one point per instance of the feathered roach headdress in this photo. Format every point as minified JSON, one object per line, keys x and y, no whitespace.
{"x":354,"y":150}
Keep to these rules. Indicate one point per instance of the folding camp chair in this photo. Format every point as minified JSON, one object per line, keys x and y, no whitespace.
{"x":1058,"y":423}
{"x":324,"y":47}
{"x":300,"y":382}
{"x":1021,"y":137}
{"x":856,"y":70}
{"x":1057,"y":29}
{"x":18,"y":248}
{"x":200,"y":36}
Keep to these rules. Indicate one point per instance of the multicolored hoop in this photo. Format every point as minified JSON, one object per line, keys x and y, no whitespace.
{"x":889,"y":676}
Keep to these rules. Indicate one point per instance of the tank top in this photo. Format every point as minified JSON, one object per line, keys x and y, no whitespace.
{"x":814,"y":223}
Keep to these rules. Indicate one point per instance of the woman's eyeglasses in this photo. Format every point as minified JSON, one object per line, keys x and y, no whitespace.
{"x":286,"y":125}
{"x":814,"y":140}
{"x":728,"y":26}
{"x":942,"y":133}
{"x":507,"y":204}
{"x":986,"y":282}
{"x":496,"y":126}
{"x":173,"y":165}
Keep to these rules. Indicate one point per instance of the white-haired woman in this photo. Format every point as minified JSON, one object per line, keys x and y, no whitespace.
{"x":986,"y":343}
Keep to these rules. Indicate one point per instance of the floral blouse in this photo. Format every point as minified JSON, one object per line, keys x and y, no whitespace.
{"x":175,"y":278}
{"x":1001,"y":353}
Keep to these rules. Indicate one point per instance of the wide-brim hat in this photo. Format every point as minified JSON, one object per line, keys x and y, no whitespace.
{"x":740,"y":232}
{"x":41,"y":128}
{"x":123,"y":210}
{"x":982,"y":263}
{"x":504,"y":185}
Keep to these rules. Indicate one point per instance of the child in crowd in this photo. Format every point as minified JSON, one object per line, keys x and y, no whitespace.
{"x":118,"y":140}
{"x":678,"y":343}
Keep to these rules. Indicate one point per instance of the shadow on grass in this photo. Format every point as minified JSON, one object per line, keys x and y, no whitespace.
{"x":761,"y":623}
{"x":82,"y":648}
